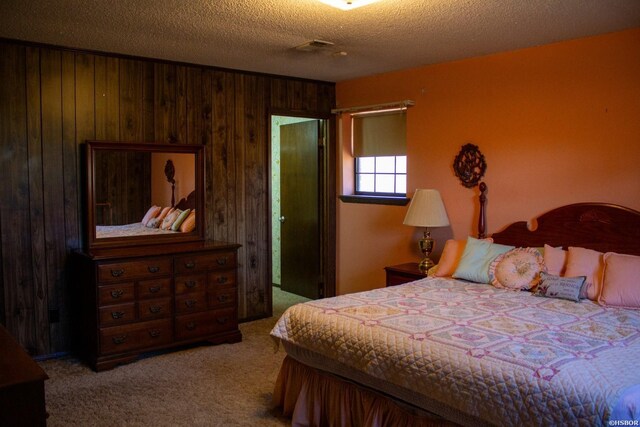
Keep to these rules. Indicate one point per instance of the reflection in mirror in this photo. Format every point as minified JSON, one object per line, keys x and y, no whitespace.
{"x":143,"y":190}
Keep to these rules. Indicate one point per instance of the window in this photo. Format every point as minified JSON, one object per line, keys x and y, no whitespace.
{"x":384,"y":175}
{"x":380,"y":151}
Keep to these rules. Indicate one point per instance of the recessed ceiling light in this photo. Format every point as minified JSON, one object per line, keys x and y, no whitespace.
{"x":348,"y":4}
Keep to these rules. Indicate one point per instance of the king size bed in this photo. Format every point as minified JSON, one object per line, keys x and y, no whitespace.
{"x":449,"y":350}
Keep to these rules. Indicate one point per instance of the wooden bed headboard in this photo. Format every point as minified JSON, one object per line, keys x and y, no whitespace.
{"x":188,"y":202}
{"x":598,"y":226}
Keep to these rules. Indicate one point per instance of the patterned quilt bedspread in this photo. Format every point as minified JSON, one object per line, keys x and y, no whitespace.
{"x":508,"y":358}
{"x":135,"y":229}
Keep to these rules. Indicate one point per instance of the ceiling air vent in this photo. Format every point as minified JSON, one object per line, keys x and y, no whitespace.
{"x":314,"y":45}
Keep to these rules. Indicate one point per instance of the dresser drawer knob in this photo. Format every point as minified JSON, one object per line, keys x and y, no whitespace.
{"x":190,"y":284}
{"x":119,"y":340}
{"x":223,"y":298}
{"x":117,"y":273}
{"x":223,"y":279}
{"x":190,"y":264}
{"x":155,"y":289}
{"x":117,"y":293}
{"x":222,"y":261}
{"x":222,"y":320}
{"x":190,"y":303}
{"x":153,"y":269}
{"x":155,"y":309}
{"x":117,"y":314}
{"x":191,"y":326}
{"x":154,"y":333}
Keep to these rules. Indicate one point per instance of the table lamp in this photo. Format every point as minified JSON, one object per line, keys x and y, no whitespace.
{"x":426,"y":210}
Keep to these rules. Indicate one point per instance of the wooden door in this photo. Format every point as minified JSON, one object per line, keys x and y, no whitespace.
{"x":299,"y":207}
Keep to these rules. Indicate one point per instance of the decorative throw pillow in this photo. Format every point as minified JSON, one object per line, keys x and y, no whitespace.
{"x":154,"y":222}
{"x":450,"y":258}
{"x":589,"y":263}
{"x":151,"y":213}
{"x":555,"y":259}
{"x":518,"y":269}
{"x":168,"y":220}
{"x":189,"y":224}
{"x":552,"y":286}
{"x":180,"y":219}
{"x":163,"y":213}
{"x":476,"y":258}
{"x":620,"y":284}
{"x":432,"y":271}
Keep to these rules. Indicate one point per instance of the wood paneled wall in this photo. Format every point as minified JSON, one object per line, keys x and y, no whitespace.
{"x":52,"y":100}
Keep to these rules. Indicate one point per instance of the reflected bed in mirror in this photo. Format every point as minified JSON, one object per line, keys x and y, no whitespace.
{"x":143,"y":194}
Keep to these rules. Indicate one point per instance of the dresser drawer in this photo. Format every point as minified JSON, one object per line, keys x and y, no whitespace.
{"x":190,"y":283}
{"x":154,"y":308}
{"x":116,"y":294}
{"x":117,"y":314}
{"x":205,"y":323}
{"x":225,"y":297}
{"x":224,"y":278}
{"x":206,"y":262}
{"x":147,"y":268}
{"x":190,"y":303}
{"x":139,"y":335}
{"x":154,"y":288}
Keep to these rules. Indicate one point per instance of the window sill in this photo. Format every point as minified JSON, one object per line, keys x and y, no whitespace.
{"x":375,"y":200}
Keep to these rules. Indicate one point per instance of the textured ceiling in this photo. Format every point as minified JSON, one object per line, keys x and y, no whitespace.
{"x":259,"y":35}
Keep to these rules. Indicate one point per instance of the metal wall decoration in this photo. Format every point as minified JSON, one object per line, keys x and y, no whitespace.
{"x":469,"y":165}
{"x":170,"y":172}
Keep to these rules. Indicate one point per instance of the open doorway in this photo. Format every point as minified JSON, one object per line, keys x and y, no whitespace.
{"x":297,"y":204}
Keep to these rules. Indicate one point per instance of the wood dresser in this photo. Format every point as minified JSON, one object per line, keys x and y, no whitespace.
{"x":139,"y":299}
{"x":21,"y":385}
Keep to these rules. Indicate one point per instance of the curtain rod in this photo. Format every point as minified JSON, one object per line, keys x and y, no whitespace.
{"x":398,"y":104}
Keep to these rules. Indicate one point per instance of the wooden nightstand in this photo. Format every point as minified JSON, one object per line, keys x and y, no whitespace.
{"x":403,"y":273}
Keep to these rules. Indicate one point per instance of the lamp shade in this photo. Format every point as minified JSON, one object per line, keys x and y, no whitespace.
{"x":426,"y":210}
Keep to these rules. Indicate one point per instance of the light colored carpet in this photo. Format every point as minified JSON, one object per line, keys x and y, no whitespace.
{"x":223,"y":385}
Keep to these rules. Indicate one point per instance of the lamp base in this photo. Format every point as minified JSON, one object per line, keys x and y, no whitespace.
{"x":426,"y":245}
{"x":425,"y":265}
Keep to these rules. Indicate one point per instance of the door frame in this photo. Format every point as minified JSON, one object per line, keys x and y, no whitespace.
{"x":327,"y":191}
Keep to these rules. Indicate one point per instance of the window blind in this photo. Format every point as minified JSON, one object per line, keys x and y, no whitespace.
{"x":379,"y":134}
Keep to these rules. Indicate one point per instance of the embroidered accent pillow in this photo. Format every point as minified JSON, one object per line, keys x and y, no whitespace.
{"x":552,"y":286}
{"x":154,"y":222}
{"x":168,"y":220}
{"x":151,"y":213}
{"x":518,"y":269}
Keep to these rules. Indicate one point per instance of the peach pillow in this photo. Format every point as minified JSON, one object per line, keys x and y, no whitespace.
{"x":163,"y":213}
{"x":151,"y":213}
{"x":189,"y":224}
{"x":620,"y":286}
{"x":555,"y":259}
{"x":450,"y":258}
{"x":589,"y":263}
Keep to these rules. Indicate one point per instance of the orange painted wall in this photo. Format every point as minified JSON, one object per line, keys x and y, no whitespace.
{"x":184,"y":165}
{"x":557,"y":124}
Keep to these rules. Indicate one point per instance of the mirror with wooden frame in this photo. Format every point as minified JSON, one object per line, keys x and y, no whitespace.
{"x":143,"y":194}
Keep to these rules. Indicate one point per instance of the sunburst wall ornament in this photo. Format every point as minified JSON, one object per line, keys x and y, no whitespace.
{"x":469,"y":165}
